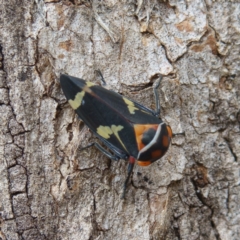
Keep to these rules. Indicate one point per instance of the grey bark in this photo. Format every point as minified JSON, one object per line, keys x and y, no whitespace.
{"x":49,"y":190}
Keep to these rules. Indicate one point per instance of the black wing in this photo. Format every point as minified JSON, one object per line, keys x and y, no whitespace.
{"x":108,"y":114}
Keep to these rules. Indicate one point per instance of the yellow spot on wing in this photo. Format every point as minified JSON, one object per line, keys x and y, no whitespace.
{"x":77,"y":100}
{"x":106,"y":131}
{"x":115,"y":130}
{"x":130,"y":105}
{"x":90,"y":84}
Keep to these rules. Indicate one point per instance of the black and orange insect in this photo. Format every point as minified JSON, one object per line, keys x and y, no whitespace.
{"x":131,"y":131}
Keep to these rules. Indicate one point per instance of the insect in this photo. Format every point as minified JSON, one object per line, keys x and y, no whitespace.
{"x":131,"y":131}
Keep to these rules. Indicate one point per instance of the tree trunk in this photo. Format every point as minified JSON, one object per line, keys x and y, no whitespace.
{"x":49,"y":190}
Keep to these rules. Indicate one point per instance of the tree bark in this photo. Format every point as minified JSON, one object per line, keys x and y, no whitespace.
{"x":50,"y":190}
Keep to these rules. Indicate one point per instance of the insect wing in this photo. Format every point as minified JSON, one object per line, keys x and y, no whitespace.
{"x":71,"y":86}
{"x":100,"y":116}
{"x":131,"y":111}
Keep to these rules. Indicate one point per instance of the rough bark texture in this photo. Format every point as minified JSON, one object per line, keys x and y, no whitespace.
{"x":49,"y":190}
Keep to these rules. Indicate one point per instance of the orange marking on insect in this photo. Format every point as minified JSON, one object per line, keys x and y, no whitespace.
{"x":165,"y":141}
{"x":169,"y":131}
{"x":139,"y":131}
{"x":140,"y":144}
{"x":156,"y":154}
{"x":144,"y":163}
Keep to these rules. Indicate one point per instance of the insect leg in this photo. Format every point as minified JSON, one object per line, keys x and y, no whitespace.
{"x":129,"y":173}
{"x":104,"y":151}
{"x":176,"y":134}
{"x":155,"y":113}
{"x":116,"y":151}
{"x":156,"y":95}
{"x":103,"y":80}
{"x":100,"y":74}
